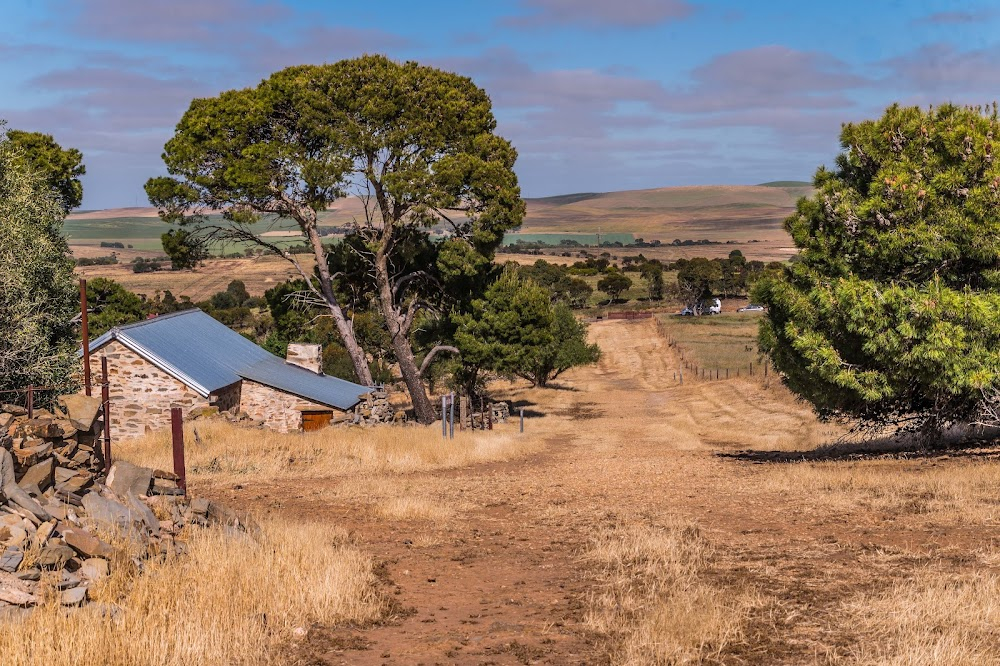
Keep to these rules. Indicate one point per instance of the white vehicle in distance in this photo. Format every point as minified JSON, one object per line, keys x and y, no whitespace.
{"x":751,"y":308}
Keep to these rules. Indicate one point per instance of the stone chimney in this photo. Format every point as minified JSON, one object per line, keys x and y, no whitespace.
{"x":306,"y":356}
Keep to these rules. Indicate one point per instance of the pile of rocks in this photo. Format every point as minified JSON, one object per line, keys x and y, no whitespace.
{"x":373,"y":409}
{"x":64,"y":526}
{"x":59,"y":449}
{"x":500,"y":411}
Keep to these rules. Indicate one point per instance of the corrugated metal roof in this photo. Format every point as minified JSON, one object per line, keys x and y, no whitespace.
{"x":207,"y":356}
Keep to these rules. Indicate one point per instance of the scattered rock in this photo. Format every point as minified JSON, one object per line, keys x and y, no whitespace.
{"x":73,"y":596}
{"x":11,"y":559}
{"x":40,"y":474}
{"x":55,"y":556}
{"x":15,"y":591}
{"x":81,"y":410}
{"x":125,"y":478}
{"x":86,"y":543}
{"x":94,"y":569}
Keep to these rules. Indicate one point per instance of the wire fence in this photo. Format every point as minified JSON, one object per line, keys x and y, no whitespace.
{"x":691,"y":370}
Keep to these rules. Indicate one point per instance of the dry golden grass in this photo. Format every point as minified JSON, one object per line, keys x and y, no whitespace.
{"x":230,"y":600}
{"x":653,"y":604}
{"x":229,"y":452}
{"x":956,"y":493}
{"x":258,"y":274}
{"x":726,"y":341}
{"x":934,"y":619}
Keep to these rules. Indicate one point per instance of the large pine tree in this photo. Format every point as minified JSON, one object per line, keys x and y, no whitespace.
{"x":892,"y":315}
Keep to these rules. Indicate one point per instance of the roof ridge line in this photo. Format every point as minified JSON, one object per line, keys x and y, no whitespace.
{"x":159,"y":317}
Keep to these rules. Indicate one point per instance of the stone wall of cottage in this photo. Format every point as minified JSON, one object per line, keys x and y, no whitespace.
{"x":278,"y":410}
{"x":227,"y":399}
{"x":141,"y":394}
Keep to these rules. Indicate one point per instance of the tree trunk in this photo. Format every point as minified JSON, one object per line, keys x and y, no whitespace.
{"x":422,"y":408}
{"x":399,"y":336}
{"x":344,"y":327}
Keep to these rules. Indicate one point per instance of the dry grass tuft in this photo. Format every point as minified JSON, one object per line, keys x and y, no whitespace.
{"x":413,"y":508}
{"x":953,"y":491}
{"x":654,"y":606}
{"x":231,"y":600}
{"x":229,"y":452}
{"x":935,"y":619}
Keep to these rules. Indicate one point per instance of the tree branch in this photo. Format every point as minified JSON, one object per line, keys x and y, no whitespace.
{"x":434,"y":352}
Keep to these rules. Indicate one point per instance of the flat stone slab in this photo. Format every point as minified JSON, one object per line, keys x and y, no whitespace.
{"x":125,"y":478}
{"x":81,"y":410}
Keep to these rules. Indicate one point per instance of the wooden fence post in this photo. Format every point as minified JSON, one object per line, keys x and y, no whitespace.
{"x":85,"y":330}
{"x":451,"y":416}
{"x":106,"y":406}
{"x":177,"y":434}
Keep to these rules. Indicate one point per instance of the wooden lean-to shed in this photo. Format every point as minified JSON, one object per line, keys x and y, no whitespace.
{"x":188,"y":359}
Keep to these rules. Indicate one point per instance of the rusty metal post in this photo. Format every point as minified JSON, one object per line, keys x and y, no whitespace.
{"x":31,"y":401}
{"x":751,"y":368}
{"x":177,"y":433}
{"x":106,"y":406}
{"x":86,"y":336}
{"x":765,"y":370}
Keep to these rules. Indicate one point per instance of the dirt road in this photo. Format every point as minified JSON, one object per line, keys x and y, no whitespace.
{"x":489,"y":568}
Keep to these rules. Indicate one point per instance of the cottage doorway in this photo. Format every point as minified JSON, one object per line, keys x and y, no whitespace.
{"x":316,"y":420}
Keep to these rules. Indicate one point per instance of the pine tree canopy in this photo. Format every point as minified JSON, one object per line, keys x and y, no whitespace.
{"x":892,"y":316}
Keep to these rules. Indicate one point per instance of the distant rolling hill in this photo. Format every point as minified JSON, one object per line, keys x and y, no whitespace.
{"x":713,"y":212}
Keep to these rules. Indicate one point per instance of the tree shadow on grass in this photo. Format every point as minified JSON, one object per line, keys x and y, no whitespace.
{"x":958,"y":444}
{"x":517,"y":405}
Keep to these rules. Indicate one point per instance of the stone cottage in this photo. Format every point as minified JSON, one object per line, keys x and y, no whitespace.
{"x":188,"y":359}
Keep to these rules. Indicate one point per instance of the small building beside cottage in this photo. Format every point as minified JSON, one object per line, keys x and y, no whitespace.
{"x":189,"y":360}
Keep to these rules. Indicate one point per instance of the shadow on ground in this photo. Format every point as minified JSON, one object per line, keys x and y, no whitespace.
{"x":896,"y":447}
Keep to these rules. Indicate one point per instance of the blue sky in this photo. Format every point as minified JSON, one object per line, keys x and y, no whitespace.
{"x":596,"y":95}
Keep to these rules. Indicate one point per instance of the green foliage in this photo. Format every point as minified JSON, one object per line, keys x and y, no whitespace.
{"x":184,"y":247}
{"x":514,"y":330}
{"x":695,"y":278}
{"x":235,"y":296}
{"x":569,"y":347}
{"x":60,"y":168}
{"x":38,"y":294}
{"x":891,"y":315}
{"x":614,"y":284}
{"x":141,"y":265}
{"x":565,"y":288}
{"x":112,"y":305}
{"x":652,"y":272}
